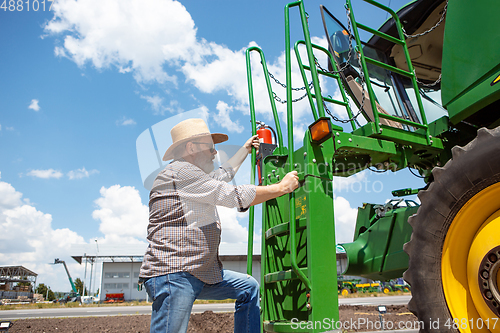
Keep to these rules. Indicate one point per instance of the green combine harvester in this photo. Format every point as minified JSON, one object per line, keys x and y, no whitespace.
{"x":432,"y":57}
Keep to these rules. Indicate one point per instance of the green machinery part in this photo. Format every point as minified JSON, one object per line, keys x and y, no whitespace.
{"x":73,"y":287}
{"x":381,"y":231}
{"x":299,"y":277}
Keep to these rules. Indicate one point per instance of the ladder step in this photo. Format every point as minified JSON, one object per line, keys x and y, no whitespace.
{"x":281,"y":326}
{"x":288,"y":327}
{"x":283,"y":276}
{"x":389,"y":67}
{"x":282,"y":229}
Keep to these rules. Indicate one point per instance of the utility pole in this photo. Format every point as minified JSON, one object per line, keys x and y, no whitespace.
{"x":85,"y":274}
{"x":91,"y":270}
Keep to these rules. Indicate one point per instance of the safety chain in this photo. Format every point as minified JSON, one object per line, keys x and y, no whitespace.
{"x":424,"y":33}
{"x":284,"y":85}
{"x":429,"y":84}
{"x":362,"y":76}
{"x":344,"y":121}
{"x":278,"y":99}
{"x":431,"y":29}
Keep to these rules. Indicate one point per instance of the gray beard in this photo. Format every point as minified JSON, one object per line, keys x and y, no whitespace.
{"x":203,"y":163}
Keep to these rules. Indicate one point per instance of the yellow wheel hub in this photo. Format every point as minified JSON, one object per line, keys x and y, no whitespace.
{"x":473,"y":234}
{"x":345,"y":292}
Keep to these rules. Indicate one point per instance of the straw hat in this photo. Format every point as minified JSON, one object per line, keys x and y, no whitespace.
{"x":188,"y":130}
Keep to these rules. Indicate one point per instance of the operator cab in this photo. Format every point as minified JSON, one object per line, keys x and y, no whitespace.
{"x":394,"y":92}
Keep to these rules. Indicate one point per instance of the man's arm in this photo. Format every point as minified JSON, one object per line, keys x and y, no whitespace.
{"x":238,"y":158}
{"x":289,"y":183}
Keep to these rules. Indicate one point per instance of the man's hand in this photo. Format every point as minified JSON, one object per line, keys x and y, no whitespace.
{"x":290,"y":182}
{"x":252,"y":142}
{"x":287,"y":185}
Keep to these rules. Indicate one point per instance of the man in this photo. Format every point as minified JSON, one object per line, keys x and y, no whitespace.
{"x":182,"y":262}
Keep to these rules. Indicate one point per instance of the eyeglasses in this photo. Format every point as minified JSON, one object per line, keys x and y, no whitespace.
{"x":211,"y":148}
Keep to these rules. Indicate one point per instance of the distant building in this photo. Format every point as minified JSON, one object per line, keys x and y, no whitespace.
{"x":11,"y":276}
{"x":120,"y":273}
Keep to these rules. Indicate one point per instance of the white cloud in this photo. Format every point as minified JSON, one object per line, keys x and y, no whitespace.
{"x":157,"y":104}
{"x":345,"y":220}
{"x":124,"y":70}
{"x":234,"y":237}
{"x":81,"y":173}
{"x":353,"y":184}
{"x":27,"y":238}
{"x":9,"y":197}
{"x":121,"y":213}
{"x":125,"y":122}
{"x":130,"y":35}
{"x":7,"y":128}
{"x":149,"y":40}
{"x":46,"y":174}
{"x":232,"y":231}
{"x":155,"y":101}
{"x":34,"y":105}
{"x":299,"y":130}
{"x":221,"y":69}
{"x":223,"y":118}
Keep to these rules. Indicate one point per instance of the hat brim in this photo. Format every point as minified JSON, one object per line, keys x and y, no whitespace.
{"x":216,"y":138}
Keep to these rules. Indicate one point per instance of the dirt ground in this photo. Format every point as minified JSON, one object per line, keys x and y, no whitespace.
{"x":353,"y":319}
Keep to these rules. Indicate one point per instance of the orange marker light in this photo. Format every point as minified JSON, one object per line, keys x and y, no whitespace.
{"x":320,"y":130}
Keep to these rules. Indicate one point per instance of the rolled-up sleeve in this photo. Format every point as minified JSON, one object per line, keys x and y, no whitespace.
{"x":194,"y":184}
{"x":225,"y":174}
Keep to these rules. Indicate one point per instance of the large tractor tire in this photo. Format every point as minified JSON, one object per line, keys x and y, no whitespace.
{"x":454,"y":249}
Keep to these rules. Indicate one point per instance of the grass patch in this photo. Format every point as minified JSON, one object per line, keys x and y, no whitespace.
{"x":67,"y":305}
{"x":359,"y":294}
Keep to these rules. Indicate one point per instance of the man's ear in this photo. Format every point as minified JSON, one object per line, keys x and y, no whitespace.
{"x":189,"y":148}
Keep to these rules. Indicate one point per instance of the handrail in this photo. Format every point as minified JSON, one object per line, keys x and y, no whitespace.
{"x":251,"y":210}
{"x":410,"y":73}
{"x":321,"y":111}
{"x":345,"y":102}
{"x":269,"y":91}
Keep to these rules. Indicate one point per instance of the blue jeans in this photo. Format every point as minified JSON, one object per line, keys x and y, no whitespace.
{"x":173,"y":296}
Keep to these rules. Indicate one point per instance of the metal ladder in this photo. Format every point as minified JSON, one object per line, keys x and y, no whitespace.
{"x":378,"y":129}
{"x":298,"y":253}
{"x":298,"y":256}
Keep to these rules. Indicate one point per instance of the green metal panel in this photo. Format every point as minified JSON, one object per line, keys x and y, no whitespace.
{"x":298,"y":250}
{"x":471,"y":54}
{"x":377,"y":250}
{"x":321,"y":249}
{"x":363,"y":220}
{"x":283,"y":295}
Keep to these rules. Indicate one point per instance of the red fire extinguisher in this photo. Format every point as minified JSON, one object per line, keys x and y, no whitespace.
{"x":265,"y":135}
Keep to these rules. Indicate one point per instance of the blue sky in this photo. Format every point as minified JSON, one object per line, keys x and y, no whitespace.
{"x":80,"y":83}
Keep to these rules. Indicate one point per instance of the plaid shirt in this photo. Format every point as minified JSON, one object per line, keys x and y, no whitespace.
{"x":184,"y":227}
